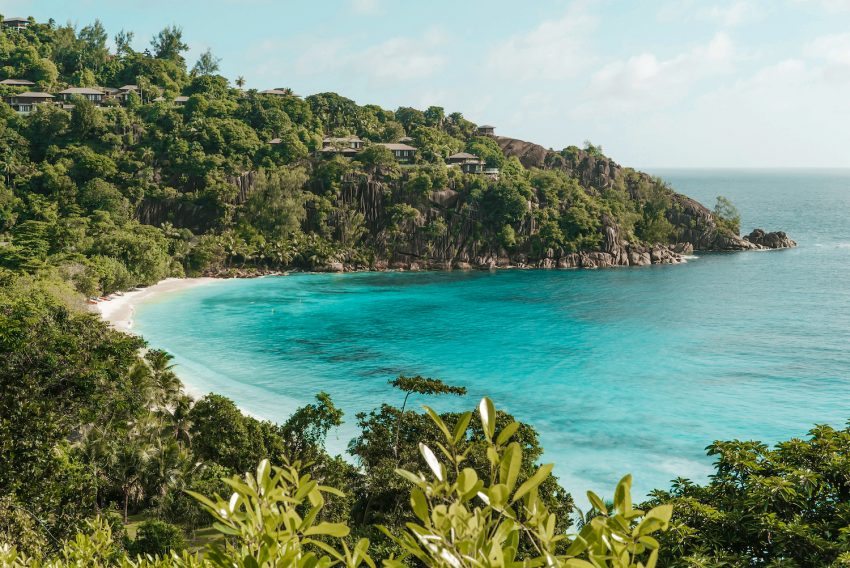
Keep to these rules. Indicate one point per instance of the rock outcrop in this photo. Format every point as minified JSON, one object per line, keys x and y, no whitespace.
{"x":774,"y":240}
{"x":442,"y":229}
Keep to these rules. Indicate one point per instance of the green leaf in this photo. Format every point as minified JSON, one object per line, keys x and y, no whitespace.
{"x":488,"y":417}
{"x":597,"y":503}
{"x":662,"y":512}
{"x":623,"y":495}
{"x":419,"y":504}
{"x":432,"y":461}
{"x":509,"y":468}
{"x":507,"y":432}
{"x":535,"y":480}
{"x":461,"y":426}
{"x":330,"y":529}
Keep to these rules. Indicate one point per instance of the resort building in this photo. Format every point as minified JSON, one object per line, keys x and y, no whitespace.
{"x":468,"y":163}
{"x":486,"y":130}
{"x":347,"y":146}
{"x":17,"y":83}
{"x":124,"y":92}
{"x":180,"y":101}
{"x":94,"y":95}
{"x":403,"y":153}
{"x":25,"y":103}
{"x":281,"y":92}
{"x":15,"y":23}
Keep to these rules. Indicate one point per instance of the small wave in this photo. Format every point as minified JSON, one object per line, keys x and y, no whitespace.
{"x":690,"y":256}
{"x":842,"y":245}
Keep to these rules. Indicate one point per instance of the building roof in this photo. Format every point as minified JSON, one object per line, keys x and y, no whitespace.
{"x":129,"y":88}
{"x":404,"y":139}
{"x":109,"y":90}
{"x":81,"y":91}
{"x":331,"y":140}
{"x":159,"y":99}
{"x":181,"y":99}
{"x":16,"y":82}
{"x":275,"y":92}
{"x":463,"y":156}
{"x":485,"y":126}
{"x":33,"y":95}
{"x":396,"y":147}
{"x":275,"y":141}
{"x":15,"y":19}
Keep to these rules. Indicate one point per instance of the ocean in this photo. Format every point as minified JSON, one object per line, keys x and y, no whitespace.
{"x":629,"y":370}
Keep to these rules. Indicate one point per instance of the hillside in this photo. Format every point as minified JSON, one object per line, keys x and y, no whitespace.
{"x":123,"y":168}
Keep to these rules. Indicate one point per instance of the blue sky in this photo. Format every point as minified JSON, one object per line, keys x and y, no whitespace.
{"x":731,"y":83}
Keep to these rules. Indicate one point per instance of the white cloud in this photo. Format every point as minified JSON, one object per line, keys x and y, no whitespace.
{"x":829,"y":5}
{"x":834,"y":49}
{"x":394,"y":59}
{"x":734,"y":13}
{"x":726,"y":14}
{"x":365,"y":6}
{"x":646,"y":82}
{"x":401,"y":58}
{"x":554,"y":50}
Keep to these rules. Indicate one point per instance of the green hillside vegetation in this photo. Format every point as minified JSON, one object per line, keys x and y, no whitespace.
{"x":105,"y":461}
{"x":82,"y":177}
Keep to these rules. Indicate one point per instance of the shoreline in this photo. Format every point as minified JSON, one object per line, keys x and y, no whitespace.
{"x":118,"y":309}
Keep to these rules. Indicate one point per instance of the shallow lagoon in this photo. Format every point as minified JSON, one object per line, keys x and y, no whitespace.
{"x":624,"y":370}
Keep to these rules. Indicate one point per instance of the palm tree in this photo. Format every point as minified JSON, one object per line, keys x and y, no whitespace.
{"x":96,"y":446}
{"x":177,"y":421}
{"x":129,"y":466}
{"x":240,"y":81}
{"x":166,"y":385}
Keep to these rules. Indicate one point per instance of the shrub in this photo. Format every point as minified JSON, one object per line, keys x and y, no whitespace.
{"x":156,"y":537}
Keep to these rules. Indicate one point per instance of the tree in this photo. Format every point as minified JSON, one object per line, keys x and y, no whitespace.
{"x":304,"y":433}
{"x":168,"y":44}
{"x":420,"y":385}
{"x":727,"y":215}
{"x":276,"y":206}
{"x":207,"y":64}
{"x":220,"y":433}
{"x":240,"y":81}
{"x":124,"y":43}
{"x":157,"y":537}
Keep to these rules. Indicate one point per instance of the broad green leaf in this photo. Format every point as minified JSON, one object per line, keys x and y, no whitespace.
{"x":488,"y":417}
{"x":597,"y":503}
{"x":535,"y":480}
{"x":461,"y":426}
{"x":419,"y":504}
{"x":432,"y":461}
{"x":507,"y":432}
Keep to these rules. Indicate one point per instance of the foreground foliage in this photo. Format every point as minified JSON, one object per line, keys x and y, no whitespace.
{"x":270,"y":519}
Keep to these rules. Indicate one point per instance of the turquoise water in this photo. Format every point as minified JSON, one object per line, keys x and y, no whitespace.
{"x":623,"y":370}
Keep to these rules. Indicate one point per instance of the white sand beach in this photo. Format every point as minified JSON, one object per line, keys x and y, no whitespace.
{"x":118,"y":309}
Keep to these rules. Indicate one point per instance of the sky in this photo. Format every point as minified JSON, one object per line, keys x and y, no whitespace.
{"x":656,"y":83}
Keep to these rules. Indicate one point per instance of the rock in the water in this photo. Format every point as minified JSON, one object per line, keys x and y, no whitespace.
{"x":774,"y":240}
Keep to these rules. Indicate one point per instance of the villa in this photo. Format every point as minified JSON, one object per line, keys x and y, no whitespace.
{"x":17,"y":83}
{"x":468,"y":163}
{"x":347,"y":146}
{"x":403,"y":153}
{"x":486,"y":130}
{"x":25,"y":103}
{"x":282,"y":92}
{"x":94,"y":95}
{"x":180,"y":101}
{"x":15,"y":23}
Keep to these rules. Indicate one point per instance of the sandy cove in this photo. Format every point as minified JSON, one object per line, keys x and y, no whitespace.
{"x":119,"y":309}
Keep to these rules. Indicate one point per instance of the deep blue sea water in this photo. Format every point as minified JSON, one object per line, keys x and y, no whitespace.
{"x":623,"y":370}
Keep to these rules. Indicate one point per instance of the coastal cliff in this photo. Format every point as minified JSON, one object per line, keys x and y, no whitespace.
{"x":696,"y":228}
